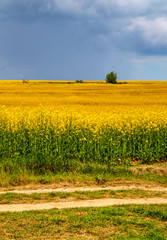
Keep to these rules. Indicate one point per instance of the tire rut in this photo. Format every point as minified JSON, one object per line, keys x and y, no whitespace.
{"x":82,"y":203}
{"x":78,"y":204}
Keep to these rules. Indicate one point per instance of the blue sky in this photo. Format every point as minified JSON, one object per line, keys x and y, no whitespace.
{"x":83,"y":39}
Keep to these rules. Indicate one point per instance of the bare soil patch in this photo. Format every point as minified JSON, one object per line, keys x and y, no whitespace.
{"x":78,"y":204}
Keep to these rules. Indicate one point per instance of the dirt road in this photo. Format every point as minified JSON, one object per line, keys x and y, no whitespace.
{"x":83,"y":203}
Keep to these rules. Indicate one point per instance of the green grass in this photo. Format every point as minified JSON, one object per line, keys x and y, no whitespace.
{"x":44,"y":150}
{"x":123,"y":222}
{"x":12,"y":198}
{"x":97,"y":176}
{"x":48,"y":147}
{"x":94,"y":174}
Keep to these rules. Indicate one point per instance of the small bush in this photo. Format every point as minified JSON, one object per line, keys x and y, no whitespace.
{"x":79,"y":81}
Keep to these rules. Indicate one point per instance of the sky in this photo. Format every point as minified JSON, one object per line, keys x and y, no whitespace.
{"x":83,"y":39}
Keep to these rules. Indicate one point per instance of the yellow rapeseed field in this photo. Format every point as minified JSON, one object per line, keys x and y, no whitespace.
{"x":56,"y":125}
{"x":93,"y":103}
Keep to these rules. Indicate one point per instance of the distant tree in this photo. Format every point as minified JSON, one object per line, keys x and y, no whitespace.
{"x":111,"y":77}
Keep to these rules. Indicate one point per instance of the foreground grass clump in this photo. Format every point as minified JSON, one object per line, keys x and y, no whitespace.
{"x":124,"y":222}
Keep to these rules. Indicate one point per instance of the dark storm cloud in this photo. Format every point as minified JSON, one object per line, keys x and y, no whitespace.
{"x":133,"y":25}
{"x":41,"y":38}
{"x":31,"y":11}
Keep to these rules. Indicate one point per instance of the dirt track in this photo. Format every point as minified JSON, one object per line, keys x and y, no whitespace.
{"x":85,"y":203}
{"x":92,"y":189}
{"x":77,"y":204}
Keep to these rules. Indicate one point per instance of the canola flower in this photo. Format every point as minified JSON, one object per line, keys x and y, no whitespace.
{"x":89,"y":121}
{"x":90,"y":103}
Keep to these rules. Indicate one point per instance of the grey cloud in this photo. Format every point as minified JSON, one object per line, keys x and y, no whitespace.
{"x":85,"y":7}
{"x":123,"y":24}
{"x":146,"y":36}
{"x":108,"y":9}
{"x":154,"y":31}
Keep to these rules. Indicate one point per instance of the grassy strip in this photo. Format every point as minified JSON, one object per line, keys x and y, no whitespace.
{"x":10,"y":198}
{"x":91,"y":173}
{"x":124,"y":222}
